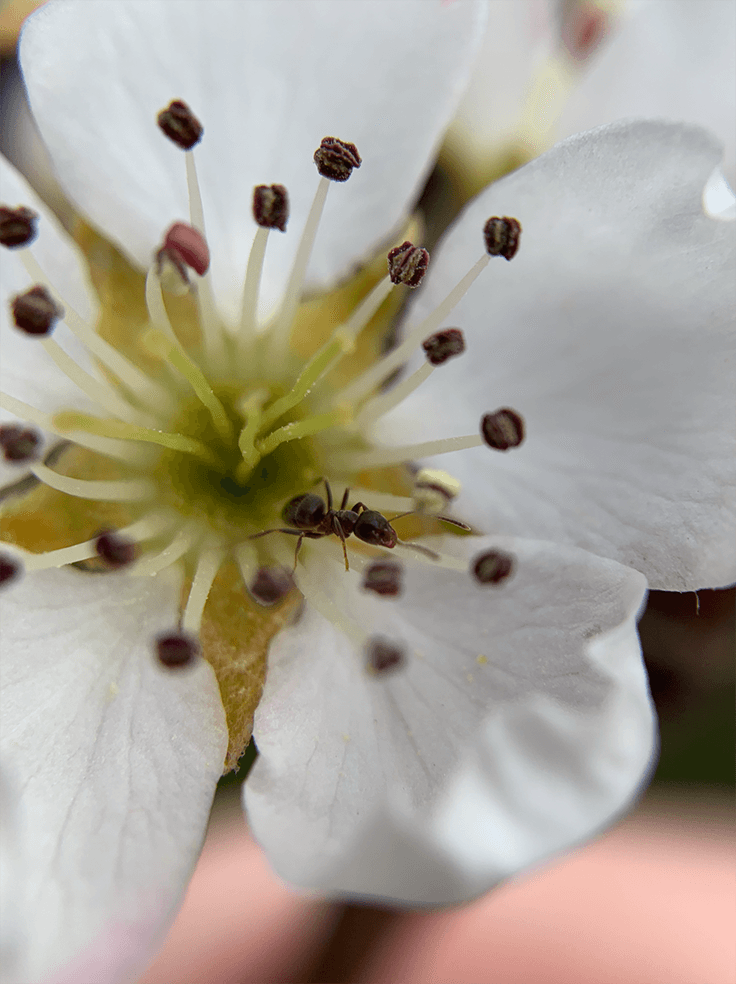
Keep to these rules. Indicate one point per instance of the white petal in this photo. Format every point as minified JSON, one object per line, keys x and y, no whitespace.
{"x":373,"y":785}
{"x":612,"y":333}
{"x":117,"y":761}
{"x":26,"y":371}
{"x":268,"y":81}
{"x":669,"y":58}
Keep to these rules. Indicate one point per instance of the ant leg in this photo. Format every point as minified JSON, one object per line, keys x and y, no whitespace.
{"x":345,"y":499}
{"x":329,"y":496}
{"x":298,"y":548}
{"x":340,"y":532}
{"x":278,"y":529}
{"x":360,"y":507}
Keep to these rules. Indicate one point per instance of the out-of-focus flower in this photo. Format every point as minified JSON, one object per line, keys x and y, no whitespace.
{"x":428,"y":726}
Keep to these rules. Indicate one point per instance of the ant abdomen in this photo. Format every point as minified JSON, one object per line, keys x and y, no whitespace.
{"x":304,"y":511}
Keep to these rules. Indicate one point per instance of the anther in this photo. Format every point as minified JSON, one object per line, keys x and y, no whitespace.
{"x":434,"y":489}
{"x":19,"y":443}
{"x":36,"y":312}
{"x":501,"y":236}
{"x":502,"y":429}
{"x":17,"y":226}
{"x":10,"y":570}
{"x":271,"y":206}
{"x":177,"y":649}
{"x":492,"y":567}
{"x":383,"y":577}
{"x":407,"y":264}
{"x":184,"y":246}
{"x":271,"y":584}
{"x":584,"y":24}
{"x":180,"y":125}
{"x":443,"y":345}
{"x":383,"y":656}
{"x":336,"y":159}
{"x":116,"y":551}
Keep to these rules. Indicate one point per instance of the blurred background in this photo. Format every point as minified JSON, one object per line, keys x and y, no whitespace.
{"x":654,"y":900}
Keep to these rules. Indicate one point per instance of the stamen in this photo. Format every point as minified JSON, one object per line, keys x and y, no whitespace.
{"x":251,"y":408}
{"x":19,"y":444}
{"x":503,"y":429}
{"x":383,"y":656}
{"x":270,"y":211}
{"x":177,"y":649}
{"x":501,"y":236}
{"x":271,"y":585}
{"x":153,"y":563}
{"x":17,"y":226}
{"x":70,"y":420}
{"x":383,"y":457}
{"x":407,"y":264}
{"x":180,"y":124}
{"x":492,"y":567}
{"x":136,"y":380}
{"x":36,"y":312}
{"x":187,"y":246}
{"x":383,"y":577}
{"x":116,"y":550}
{"x":10,"y":570}
{"x":382,"y":369}
{"x":124,"y":490}
{"x":208,"y":565}
{"x":281,"y":330}
{"x":439,"y":348}
{"x":111,"y":447}
{"x":434,"y":489}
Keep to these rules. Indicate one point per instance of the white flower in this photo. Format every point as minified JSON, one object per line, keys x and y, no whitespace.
{"x":516,"y":720}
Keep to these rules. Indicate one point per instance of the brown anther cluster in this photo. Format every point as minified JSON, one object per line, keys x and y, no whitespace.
{"x":271,"y":206}
{"x":19,"y":443}
{"x":10,"y":569}
{"x":17,"y":226}
{"x":383,"y":656}
{"x":443,"y":345}
{"x":384,"y":578}
{"x":185,"y":246}
{"x":501,"y":236}
{"x":407,"y":264}
{"x":271,"y":584}
{"x":36,"y":312}
{"x":336,"y":159}
{"x":116,"y":551}
{"x":180,"y":124}
{"x":176,"y":650}
{"x":492,"y":567}
{"x":502,"y":429}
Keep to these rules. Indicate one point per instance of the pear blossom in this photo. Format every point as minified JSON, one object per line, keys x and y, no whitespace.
{"x":427,"y":726}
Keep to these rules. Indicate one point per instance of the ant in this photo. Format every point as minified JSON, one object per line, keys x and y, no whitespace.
{"x":312,"y":519}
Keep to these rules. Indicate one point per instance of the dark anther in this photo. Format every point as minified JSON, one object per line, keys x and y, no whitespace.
{"x":444,"y":345}
{"x":502,"y":429}
{"x":117,"y":551}
{"x":492,"y":567}
{"x":336,"y":159}
{"x":180,"y":125}
{"x":185,"y":246}
{"x":36,"y":312}
{"x":177,"y":649}
{"x":383,"y":656}
{"x":384,"y":578}
{"x":19,"y":443}
{"x":271,"y":206}
{"x":10,"y":569}
{"x":17,"y":226}
{"x":501,"y":236}
{"x":271,"y":584}
{"x":407,"y":264}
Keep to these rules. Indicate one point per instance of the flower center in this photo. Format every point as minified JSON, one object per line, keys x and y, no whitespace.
{"x":217,"y":432}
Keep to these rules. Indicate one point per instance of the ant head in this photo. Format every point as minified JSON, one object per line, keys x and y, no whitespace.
{"x":304,"y":511}
{"x":375,"y":529}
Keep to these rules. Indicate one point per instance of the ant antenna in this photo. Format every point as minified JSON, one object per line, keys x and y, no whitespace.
{"x":445,"y":519}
